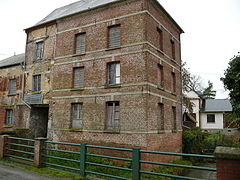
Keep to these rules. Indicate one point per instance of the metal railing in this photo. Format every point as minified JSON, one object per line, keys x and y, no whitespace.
{"x":84,"y":165}
{"x":101,"y":161}
{"x":20,"y":148}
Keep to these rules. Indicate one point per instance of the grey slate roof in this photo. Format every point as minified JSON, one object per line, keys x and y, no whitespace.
{"x":217,"y":105}
{"x":11,"y":61}
{"x":73,"y":8}
{"x":84,"y":5}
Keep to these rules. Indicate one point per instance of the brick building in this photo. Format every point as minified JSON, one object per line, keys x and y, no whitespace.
{"x":106,"y":72}
{"x":11,"y":86}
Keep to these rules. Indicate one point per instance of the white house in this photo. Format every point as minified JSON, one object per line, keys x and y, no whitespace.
{"x":195,"y":101}
{"x":212,"y":113}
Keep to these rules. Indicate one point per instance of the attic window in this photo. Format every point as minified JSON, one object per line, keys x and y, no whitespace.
{"x":39,"y":50}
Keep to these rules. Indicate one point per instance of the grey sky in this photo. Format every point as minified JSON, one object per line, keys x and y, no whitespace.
{"x":211,"y":38}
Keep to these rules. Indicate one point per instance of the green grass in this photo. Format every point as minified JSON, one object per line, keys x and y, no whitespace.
{"x":115,"y":172}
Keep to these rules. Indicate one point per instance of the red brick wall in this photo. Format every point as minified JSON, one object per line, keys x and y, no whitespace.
{"x":228,"y":169}
{"x":2,"y":117}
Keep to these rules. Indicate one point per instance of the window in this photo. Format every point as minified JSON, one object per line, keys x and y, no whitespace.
{"x":173,"y":82}
{"x":80,"y":40}
{"x":114,"y":73}
{"x":12,"y":87}
{"x":39,"y":50}
{"x":114,"y":36}
{"x":112,"y":115}
{"x":160,"y":39}
{"x":77,"y":115}
{"x":78,"y":78}
{"x":37,"y":83}
{"x":160,"y":116}
{"x":174,"y":116}
{"x":173,"y":49}
{"x":160,"y":76}
{"x":9,"y":117}
{"x":210,"y":118}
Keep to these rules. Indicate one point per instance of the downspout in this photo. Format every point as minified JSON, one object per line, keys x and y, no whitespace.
{"x":23,"y":75}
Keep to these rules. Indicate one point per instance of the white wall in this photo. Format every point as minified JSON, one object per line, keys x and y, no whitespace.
{"x":218,"y":121}
{"x":196,"y":109}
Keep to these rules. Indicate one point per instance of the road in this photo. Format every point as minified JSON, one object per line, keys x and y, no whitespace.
{"x":9,"y":173}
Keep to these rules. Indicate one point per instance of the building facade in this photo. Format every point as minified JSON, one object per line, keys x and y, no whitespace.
{"x":11,"y":91}
{"x":107,"y":73}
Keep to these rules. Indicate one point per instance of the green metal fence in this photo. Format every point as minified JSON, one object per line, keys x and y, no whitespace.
{"x":84,"y":161}
{"x":20,"y":148}
{"x":102,"y":161}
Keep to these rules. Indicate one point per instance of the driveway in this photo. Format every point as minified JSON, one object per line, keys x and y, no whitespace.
{"x":9,"y":173}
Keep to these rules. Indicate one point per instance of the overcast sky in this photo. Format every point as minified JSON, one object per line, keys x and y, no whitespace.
{"x":211,"y":38}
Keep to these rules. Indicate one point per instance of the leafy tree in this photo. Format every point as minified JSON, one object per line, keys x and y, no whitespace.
{"x":231,"y":81}
{"x":209,"y":93}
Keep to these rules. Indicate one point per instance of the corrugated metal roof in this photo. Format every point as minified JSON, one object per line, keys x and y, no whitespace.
{"x":11,"y":61}
{"x":217,"y":105}
{"x":73,"y":8}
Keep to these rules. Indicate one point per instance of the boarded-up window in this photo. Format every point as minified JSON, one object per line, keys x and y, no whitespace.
{"x":78,"y":77}
{"x":112,"y":115}
{"x":77,"y":115}
{"x":160,"y":39}
{"x":80,"y":43}
{"x":39,"y":50}
{"x":114,"y":73}
{"x":173,"y":82}
{"x":173,"y":49}
{"x":12,"y":87}
{"x":9,"y":117}
{"x":160,"y":116}
{"x":36,"y":83}
{"x":210,"y":118}
{"x":174,"y":117}
{"x":114,"y":36}
{"x":160,"y":76}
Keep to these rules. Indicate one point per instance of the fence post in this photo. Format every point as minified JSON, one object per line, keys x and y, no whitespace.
{"x":227,"y":162}
{"x":3,"y":141}
{"x":136,"y":164}
{"x":83,"y":151}
{"x":38,"y":146}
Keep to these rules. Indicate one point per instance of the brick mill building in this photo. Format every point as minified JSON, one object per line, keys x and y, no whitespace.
{"x":105,"y":72}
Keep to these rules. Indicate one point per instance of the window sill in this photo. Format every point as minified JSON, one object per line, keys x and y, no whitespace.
{"x":112,"y":86}
{"x":77,"y":89}
{"x":12,"y":94}
{"x":161,"y":131}
{"x":37,"y":92}
{"x":112,"y":131}
{"x":36,"y":60}
{"x":79,"y":54}
{"x":113,"y":48}
{"x":210,"y":122}
{"x":7,"y":126}
{"x":174,"y":61}
{"x":160,"y":88}
{"x":173,"y":93}
{"x":76,"y":130}
{"x":161,"y":51}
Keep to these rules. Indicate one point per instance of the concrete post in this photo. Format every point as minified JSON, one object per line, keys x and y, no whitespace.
{"x":228,"y":163}
{"x":38,"y":145}
{"x":3,"y":141}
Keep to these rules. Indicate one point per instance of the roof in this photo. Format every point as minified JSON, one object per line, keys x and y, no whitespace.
{"x":84,"y":5}
{"x":72,"y":9}
{"x":12,"y":61}
{"x":217,"y":105}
